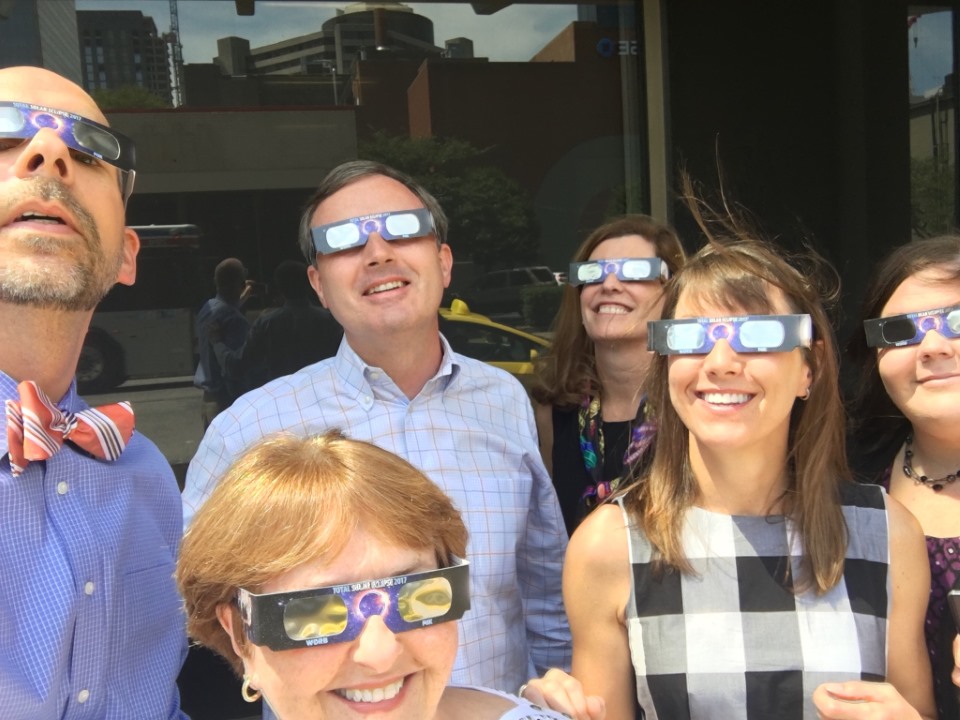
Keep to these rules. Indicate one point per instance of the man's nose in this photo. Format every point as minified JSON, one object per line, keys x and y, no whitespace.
{"x":377,"y":250}
{"x":46,"y":155}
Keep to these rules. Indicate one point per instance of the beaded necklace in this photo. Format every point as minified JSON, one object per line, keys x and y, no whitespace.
{"x":935,"y":484}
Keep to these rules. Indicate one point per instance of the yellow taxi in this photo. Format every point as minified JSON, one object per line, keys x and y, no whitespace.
{"x":479,"y":337}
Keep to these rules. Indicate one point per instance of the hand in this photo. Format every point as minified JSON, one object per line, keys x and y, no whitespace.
{"x":562,"y":692}
{"x":956,"y":661}
{"x":860,"y":699}
{"x":249,"y":288}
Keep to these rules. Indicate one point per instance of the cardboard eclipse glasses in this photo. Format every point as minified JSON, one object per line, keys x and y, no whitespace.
{"x":747,"y":333}
{"x":910,"y":329}
{"x":354,"y":232}
{"x":626,"y":270}
{"x":338,"y":613}
{"x":23,"y":121}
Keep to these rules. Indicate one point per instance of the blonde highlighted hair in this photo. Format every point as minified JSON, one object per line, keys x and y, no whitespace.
{"x":288,"y":500}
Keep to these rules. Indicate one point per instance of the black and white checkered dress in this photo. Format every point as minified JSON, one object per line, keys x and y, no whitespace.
{"x":732,"y":642}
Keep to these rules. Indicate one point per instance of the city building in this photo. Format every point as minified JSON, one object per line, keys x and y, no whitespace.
{"x":40,"y":33}
{"x":355,"y":30}
{"x":121,"y":48}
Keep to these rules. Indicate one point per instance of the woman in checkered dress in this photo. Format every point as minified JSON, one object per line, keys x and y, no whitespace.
{"x":745,"y":576}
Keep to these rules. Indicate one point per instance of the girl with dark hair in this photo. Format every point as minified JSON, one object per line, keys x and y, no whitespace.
{"x":592,"y":420}
{"x":907,"y":416}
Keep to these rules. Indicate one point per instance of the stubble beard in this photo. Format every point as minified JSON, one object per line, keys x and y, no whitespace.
{"x":57,"y":285}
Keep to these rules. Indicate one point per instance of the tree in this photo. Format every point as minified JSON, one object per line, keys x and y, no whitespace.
{"x":127,"y":97}
{"x":491,"y":219}
{"x":932,"y":197}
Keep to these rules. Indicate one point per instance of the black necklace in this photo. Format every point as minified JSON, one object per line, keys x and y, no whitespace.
{"x":935,"y":485}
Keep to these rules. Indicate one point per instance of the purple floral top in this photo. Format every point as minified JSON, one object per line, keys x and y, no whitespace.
{"x":944,"y":554}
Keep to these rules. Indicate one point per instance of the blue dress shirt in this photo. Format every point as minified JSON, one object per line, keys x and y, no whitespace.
{"x":471,"y":430}
{"x":91,"y":625}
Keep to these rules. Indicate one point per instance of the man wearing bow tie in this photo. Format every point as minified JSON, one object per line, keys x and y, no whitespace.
{"x":90,"y":621}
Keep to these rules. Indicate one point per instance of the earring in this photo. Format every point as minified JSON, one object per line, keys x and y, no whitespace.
{"x":806,"y":394}
{"x":246,"y":693}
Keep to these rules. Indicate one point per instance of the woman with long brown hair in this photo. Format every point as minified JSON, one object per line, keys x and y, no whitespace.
{"x":745,"y":575}
{"x":591,"y":417}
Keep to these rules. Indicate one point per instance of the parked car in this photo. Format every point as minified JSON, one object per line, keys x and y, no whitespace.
{"x":501,"y":291}
{"x":146,"y":330}
{"x":479,"y":337}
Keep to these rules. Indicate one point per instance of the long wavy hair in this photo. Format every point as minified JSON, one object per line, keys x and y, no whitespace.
{"x":569,"y":370}
{"x":878,"y":427}
{"x":737,"y":270}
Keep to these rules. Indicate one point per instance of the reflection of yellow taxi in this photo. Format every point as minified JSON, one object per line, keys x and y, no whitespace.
{"x":477,"y":336}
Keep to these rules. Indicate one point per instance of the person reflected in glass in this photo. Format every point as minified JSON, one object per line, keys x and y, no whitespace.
{"x":906,"y":417}
{"x":745,"y":575}
{"x":286,"y":339}
{"x":592,"y":419}
{"x":221,"y":320}
{"x":330,"y":574}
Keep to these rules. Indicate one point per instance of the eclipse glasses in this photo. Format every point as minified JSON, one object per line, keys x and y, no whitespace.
{"x":747,"y":333}
{"x":910,"y":329}
{"x":334,"y":614}
{"x":354,"y":232}
{"x":626,"y":270}
{"x":23,"y":121}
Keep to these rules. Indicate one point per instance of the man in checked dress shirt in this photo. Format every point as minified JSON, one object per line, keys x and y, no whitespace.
{"x":396,"y":382}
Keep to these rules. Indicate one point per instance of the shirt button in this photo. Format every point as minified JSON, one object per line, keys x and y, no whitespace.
{"x":83,"y":696}
{"x":88,"y":588}
{"x":374,"y":376}
{"x":366,"y":399}
{"x":62,"y":487}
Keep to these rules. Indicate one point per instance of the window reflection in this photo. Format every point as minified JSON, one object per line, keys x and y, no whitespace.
{"x":525,"y":120}
{"x":933,"y":101}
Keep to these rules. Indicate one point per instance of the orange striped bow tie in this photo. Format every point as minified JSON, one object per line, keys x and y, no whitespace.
{"x":36,"y":428}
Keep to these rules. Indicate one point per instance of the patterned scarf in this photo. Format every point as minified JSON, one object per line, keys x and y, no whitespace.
{"x":642,"y":431}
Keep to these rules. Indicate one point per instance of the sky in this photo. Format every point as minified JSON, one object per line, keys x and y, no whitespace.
{"x":929,"y":47}
{"x":515,"y":33}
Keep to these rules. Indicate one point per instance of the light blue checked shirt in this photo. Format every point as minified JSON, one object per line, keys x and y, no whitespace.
{"x":470,"y":430}
{"x":90,"y":621}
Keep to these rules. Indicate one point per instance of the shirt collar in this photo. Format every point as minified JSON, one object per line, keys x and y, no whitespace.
{"x":357,"y":375}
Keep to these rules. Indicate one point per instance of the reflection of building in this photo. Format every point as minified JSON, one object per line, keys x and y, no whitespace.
{"x":314,"y":69}
{"x":40,"y":33}
{"x":933,"y":180}
{"x":802,"y":108}
{"x":120,"y":48}
{"x":932,"y":120}
{"x":241,"y":176}
{"x":357,"y":28}
{"x":558,"y":125}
